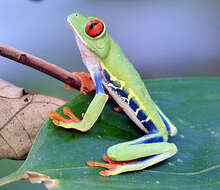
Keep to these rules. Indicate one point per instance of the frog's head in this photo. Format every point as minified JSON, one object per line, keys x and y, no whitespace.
{"x":90,"y":33}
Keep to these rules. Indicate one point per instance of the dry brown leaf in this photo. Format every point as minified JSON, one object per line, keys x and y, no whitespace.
{"x":21,"y":116}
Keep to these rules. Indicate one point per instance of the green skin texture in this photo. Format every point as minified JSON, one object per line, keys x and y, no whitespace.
{"x":111,"y":58}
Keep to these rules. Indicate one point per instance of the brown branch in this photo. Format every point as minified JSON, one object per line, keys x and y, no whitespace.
{"x":40,"y":65}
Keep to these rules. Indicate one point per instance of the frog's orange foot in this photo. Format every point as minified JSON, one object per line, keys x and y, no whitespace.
{"x":57,"y":118}
{"x":110,"y":166}
{"x":118,"y":109}
{"x":87,"y":84}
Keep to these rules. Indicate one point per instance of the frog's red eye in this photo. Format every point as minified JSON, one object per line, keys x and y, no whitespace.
{"x":94,"y":28}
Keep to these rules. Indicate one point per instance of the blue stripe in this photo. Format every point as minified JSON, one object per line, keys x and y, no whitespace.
{"x":121,"y":93}
{"x":141,"y":115}
{"x":133,"y":105}
{"x":149,"y":125}
{"x":98,"y":83}
{"x":166,"y":123}
{"x":144,"y":160}
{"x":151,"y":133}
{"x":150,"y":140}
{"x":116,"y":84}
{"x":107,"y":76}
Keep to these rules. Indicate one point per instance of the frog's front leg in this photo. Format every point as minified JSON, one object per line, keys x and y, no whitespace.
{"x":136,"y":154}
{"x":94,"y":110}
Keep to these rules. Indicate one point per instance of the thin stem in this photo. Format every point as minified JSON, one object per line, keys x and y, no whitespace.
{"x":40,"y":65}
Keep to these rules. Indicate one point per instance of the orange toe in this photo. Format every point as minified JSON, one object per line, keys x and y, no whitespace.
{"x":56,"y":117}
{"x":102,"y":165}
{"x":94,"y":164}
{"x":118,"y":109}
{"x":69,"y":113}
{"x":68,"y":86}
{"x":87,"y":84}
{"x":107,"y":159}
{"x":104,"y":173}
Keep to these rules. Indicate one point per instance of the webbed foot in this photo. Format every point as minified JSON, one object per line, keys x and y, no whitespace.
{"x":111,"y":166}
{"x":57,"y":118}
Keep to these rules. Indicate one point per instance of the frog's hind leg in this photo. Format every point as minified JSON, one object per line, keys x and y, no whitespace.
{"x":135,"y":155}
{"x":172,"y":130}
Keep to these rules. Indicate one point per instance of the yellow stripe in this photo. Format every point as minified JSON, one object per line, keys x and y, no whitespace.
{"x":131,"y":93}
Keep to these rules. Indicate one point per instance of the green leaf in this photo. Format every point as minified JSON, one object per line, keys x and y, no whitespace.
{"x":192,"y":104}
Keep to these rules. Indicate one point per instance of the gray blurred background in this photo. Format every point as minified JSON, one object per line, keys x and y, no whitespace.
{"x":161,"y":38}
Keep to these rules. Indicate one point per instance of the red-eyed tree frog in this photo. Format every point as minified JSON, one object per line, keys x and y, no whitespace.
{"x":110,"y":69}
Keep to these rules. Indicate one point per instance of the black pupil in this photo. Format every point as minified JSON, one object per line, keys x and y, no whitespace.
{"x":92,"y":25}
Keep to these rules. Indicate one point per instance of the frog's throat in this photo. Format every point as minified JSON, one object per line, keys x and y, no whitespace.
{"x":90,"y":59}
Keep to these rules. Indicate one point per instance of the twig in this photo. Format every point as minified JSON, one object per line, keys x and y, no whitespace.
{"x":40,"y":65}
